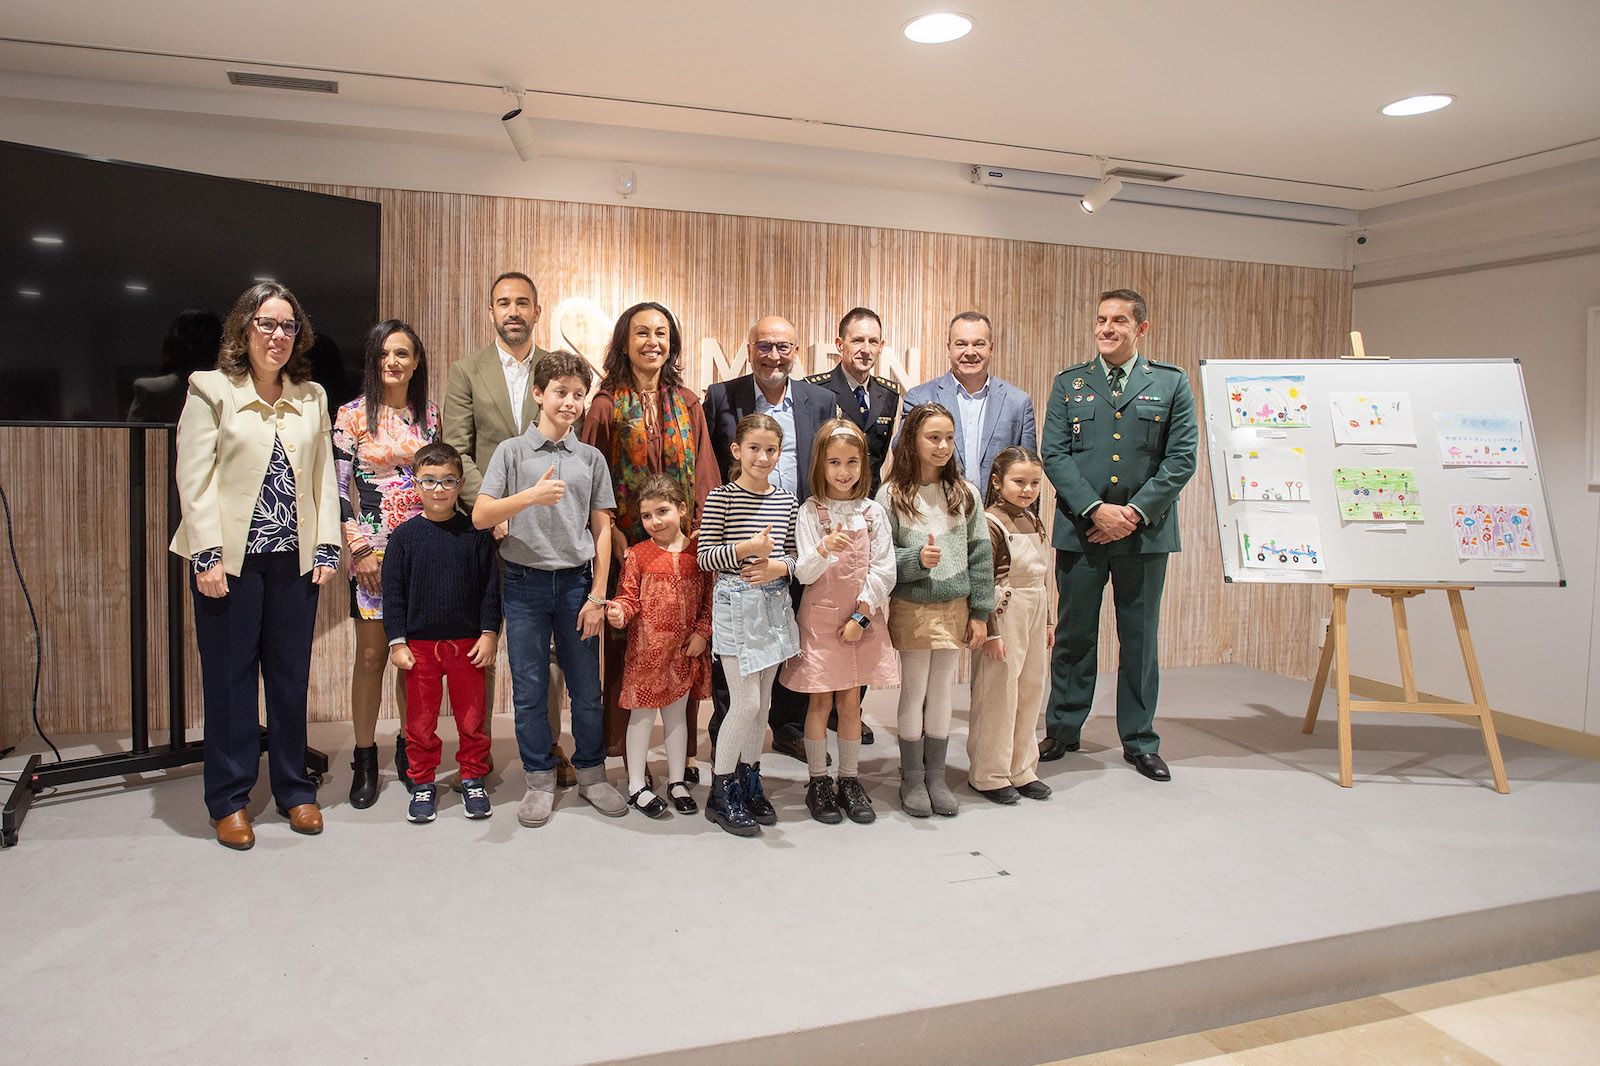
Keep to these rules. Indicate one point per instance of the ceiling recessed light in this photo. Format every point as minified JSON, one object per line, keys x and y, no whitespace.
{"x":1418,"y":105}
{"x":49,"y":239}
{"x":940,"y":27}
{"x":135,"y":286}
{"x":32,"y":294}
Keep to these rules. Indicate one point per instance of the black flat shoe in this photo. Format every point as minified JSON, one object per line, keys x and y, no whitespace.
{"x":654,"y":807}
{"x":1051,"y":749}
{"x":866,"y":735}
{"x":691,"y":775}
{"x":682,"y":801}
{"x":1149,"y":764}
{"x":791,"y":743}
{"x":1034,"y":790}
{"x":1005,"y":794}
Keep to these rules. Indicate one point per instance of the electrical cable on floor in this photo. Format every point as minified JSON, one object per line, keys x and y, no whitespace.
{"x":38,"y":639}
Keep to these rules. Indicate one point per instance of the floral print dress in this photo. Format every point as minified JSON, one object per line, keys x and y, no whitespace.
{"x":376,"y":489}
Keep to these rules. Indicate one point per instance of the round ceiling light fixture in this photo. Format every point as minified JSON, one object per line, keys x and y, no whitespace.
{"x":939,"y":27}
{"x":1418,"y":105}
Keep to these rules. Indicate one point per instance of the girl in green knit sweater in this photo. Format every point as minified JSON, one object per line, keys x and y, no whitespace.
{"x":942,"y":597}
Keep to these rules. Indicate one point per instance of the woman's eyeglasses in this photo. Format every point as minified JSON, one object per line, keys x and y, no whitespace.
{"x":269,"y":326}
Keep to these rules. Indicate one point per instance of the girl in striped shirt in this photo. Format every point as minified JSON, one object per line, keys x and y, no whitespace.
{"x":747,"y":540}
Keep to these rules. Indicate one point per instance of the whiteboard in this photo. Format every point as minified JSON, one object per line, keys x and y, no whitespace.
{"x":1377,"y":471}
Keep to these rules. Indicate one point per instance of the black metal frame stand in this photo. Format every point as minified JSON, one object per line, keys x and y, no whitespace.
{"x":142,"y":757}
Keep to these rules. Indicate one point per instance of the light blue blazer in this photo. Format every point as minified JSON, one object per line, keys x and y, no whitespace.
{"x":1007,"y":420}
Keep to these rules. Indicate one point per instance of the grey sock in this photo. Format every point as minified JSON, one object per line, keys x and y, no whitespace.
{"x":849,"y":757}
{"x":817,"y":756}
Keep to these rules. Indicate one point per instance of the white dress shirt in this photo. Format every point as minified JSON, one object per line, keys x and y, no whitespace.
{"x":516,"y":372}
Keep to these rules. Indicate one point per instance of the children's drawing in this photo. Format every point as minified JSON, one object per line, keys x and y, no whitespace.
{"x":1372,"y":418}
{"x":1267,"y":472}
{"x":1280,"y":542}
{"x":1270,"y":400}
{"x":1377,"y":494}
{"x":1495,"y":531}
{"x":1479,"y":438}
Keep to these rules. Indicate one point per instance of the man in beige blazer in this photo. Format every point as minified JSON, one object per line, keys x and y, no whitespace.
{"x":488,"y":399}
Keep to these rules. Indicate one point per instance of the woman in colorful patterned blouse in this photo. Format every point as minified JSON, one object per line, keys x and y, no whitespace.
{"x":645,"y":421}
{"x":375,"y":437}
{"x":260,"y":529}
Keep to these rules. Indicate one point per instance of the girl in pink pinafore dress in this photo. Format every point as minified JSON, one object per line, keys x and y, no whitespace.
{"x":844,"y":554}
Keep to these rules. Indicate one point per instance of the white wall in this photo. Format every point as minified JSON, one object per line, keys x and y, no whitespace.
{"x":285,"y":138}
{"x":1538,"y":647}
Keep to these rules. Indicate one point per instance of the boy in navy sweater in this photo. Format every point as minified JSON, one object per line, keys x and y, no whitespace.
{"x":441,"y":595}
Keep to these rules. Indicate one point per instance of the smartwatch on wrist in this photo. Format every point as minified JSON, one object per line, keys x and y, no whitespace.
{"x":860,"y":619}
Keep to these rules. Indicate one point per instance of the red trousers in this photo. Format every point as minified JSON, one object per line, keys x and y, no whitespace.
{"x":437,"y":660}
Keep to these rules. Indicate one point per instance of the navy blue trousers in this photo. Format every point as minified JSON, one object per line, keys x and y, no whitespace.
{"x":260,"y":631}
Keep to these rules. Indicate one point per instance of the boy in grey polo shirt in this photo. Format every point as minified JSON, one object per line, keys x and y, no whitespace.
{"x":556,"y":493}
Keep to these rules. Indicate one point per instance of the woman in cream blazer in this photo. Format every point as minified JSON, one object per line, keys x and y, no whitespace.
{"x":261,"y":528}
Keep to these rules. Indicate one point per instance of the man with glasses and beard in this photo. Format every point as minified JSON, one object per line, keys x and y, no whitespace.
{"x":486,"y":401}
{"x":799,"y":407}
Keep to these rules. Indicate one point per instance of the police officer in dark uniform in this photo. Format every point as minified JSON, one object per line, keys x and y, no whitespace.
{"x":1120,"y":438}
{"x":871,"y":402}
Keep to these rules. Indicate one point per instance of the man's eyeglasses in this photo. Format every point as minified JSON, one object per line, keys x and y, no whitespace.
{"x":781,"y":347}
{"x":430,"y":483}
{"x":269,"y":326}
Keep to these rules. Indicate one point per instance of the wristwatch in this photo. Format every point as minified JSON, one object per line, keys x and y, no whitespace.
{"x":860,"y":619}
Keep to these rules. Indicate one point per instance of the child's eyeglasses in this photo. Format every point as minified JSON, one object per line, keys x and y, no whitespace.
{"x":430,"y":483}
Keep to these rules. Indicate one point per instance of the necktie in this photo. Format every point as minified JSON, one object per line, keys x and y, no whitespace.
{"x":1116,"y":381}
{"x":861,"y":399}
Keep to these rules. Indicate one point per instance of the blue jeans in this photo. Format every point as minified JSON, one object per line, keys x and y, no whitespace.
{"x":538,"y":605}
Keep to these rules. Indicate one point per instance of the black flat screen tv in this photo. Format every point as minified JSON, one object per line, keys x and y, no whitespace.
{"x":114,"y":279}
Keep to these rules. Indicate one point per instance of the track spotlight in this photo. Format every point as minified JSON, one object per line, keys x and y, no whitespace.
{"x":1100,"y":195}
{"x":519,"y":127}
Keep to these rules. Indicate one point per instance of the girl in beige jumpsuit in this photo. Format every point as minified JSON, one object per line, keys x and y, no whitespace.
{"x":1012,"y":671}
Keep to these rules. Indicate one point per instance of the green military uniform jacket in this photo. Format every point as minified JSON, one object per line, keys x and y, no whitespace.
{"x":1137,"y":449}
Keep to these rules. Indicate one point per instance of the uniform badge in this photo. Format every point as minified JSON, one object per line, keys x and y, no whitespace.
{"x":1077,"y":383}
{"x":1090,"y":397}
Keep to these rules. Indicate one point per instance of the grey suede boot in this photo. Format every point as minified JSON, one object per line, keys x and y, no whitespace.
{"x":602,"y":796}
{"x":540,"y":798}
{"x":939,"y":794}
{"x":913,"y":781}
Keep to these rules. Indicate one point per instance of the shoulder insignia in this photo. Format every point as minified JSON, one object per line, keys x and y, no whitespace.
{"x":1166,"y":366}
{"x":820,"y":379}
{"x":892,"y":386}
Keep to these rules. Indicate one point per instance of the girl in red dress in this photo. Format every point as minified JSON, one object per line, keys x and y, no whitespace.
{"x":667,"y":598}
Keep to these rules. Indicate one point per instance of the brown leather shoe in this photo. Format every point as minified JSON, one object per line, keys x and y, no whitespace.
{"x":305,"y":818}
{"x":566,"y":776}
{"x":234,"y":831}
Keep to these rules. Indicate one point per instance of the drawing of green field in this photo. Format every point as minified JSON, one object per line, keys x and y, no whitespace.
{"x":1377,"y":494}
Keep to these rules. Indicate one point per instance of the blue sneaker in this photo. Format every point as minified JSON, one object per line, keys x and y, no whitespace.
{"x":477,"y":797}
{"x":424,"y":803}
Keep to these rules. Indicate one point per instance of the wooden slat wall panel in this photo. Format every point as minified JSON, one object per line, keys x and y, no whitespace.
{"x":718,"y":273}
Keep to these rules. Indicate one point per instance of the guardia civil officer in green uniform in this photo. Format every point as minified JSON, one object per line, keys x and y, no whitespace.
{"x":1120,"y":438}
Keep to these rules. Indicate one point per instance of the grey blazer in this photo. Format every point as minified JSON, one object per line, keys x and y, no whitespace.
{"x":1007,"y":420}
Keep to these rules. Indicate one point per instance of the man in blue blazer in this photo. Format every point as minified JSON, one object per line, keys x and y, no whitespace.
{"x":800,"y":408}
{"x":991,"y":415}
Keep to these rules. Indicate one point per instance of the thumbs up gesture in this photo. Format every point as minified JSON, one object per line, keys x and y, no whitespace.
{"x":835,"y":542}
{"x":548,"y":490}
{"x":760,"y":545}
{"x":930,"y":553}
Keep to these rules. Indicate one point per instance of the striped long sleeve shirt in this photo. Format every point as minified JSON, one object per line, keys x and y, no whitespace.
{"x":733,"y":514}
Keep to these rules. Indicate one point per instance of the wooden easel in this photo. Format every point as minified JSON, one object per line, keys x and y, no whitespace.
{"x":1336,"y":649}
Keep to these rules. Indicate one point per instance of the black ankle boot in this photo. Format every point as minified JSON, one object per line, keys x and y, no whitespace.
{"x":755,"y":799}
{"x":725,"y":807}
{"x":402,"y":765}
{"x":364,"y":780}
{"x":822,"y":801}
